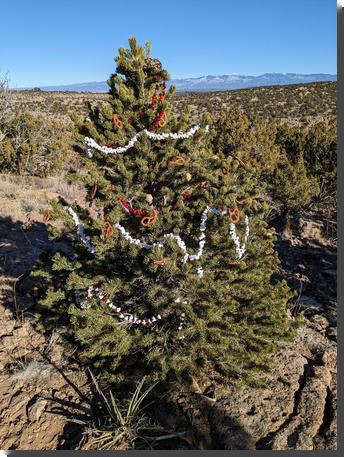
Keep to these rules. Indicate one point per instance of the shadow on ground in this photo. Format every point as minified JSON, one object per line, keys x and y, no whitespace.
{"x":21,"y":244}
{"x":309,"y":265}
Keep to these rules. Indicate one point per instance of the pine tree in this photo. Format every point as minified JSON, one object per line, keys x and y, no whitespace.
{"x":173,"y":275}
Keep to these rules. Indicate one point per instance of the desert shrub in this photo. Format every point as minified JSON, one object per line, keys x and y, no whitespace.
{"x":320,"y":153}
{"x":296,"y":164}
{"x":122,"y":424}
{"x":292,"y":140}
{"x":278,"y":101}
{"x":250,"y":139}
{"x":4,"y":105}
{"x":317,"y":146}
{"x":293,"y":188}
{"x":34,"y":145}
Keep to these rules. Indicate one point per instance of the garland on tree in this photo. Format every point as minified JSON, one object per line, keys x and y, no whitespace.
{"x":240,"y":247}
{"x":80,"y":231}
{"x":129,"y":318}
{"x":91,"y":143}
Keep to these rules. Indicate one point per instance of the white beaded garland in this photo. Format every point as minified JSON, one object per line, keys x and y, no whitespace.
{"x":200,"y":272}
{"x":127,"y":317}
{"x":240,"y":247}
{"x":91,"y":143}
{"x":80,"y":231}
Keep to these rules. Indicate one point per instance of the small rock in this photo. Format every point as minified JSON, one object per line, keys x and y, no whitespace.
{"x":319,"y":323}
{"x":329,"y":359}
{"x":35,"y":411}
{"x":311,"y":230}
{"x":302,"y":278}
{"x":331,"y":333}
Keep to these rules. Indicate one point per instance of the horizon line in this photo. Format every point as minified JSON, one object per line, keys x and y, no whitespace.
{"x":174,"y":79}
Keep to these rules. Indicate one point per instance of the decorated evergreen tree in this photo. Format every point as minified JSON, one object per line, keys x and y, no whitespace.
{"x":172,"y":276}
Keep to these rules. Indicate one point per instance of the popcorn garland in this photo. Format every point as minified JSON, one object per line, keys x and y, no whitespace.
{"x":80,"y":231}
{"x":92,"y":144}
{"x":128,"y":317}
{"x":240,"y":247}
{"x":200,"y":272}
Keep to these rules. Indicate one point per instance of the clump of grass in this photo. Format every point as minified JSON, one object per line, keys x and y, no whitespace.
{"x":32,"y":205}
{"x":64,"y":189}
{"x":8,"y":188}
{"x":114,"y":426}
{"x":33,"y":369}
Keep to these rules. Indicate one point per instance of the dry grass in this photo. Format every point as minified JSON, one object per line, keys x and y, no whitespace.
{"x":22,"y":196}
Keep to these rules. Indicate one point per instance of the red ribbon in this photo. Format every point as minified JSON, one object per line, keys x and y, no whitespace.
{"x":129,"y":208}
{"x":156,"y":123}
{"x":153,"y":101}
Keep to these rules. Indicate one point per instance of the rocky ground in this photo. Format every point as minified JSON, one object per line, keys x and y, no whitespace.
{"x":296,"y":411}
{"x":42,"y":386}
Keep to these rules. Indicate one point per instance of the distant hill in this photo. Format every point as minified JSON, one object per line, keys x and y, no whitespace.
{"x":210,"y":83}
{"x":294,"y":103}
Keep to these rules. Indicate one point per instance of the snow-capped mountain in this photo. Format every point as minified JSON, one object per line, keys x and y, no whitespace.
{"x":235,"y":81}
{"x":209,"y":83}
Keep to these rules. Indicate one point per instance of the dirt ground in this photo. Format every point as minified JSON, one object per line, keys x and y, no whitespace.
{"x":42,"y":386}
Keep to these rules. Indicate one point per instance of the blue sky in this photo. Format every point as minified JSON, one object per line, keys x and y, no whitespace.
{"x":46,"y":42}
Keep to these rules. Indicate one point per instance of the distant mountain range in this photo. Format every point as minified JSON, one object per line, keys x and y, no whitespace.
{"x":209,"y":83}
